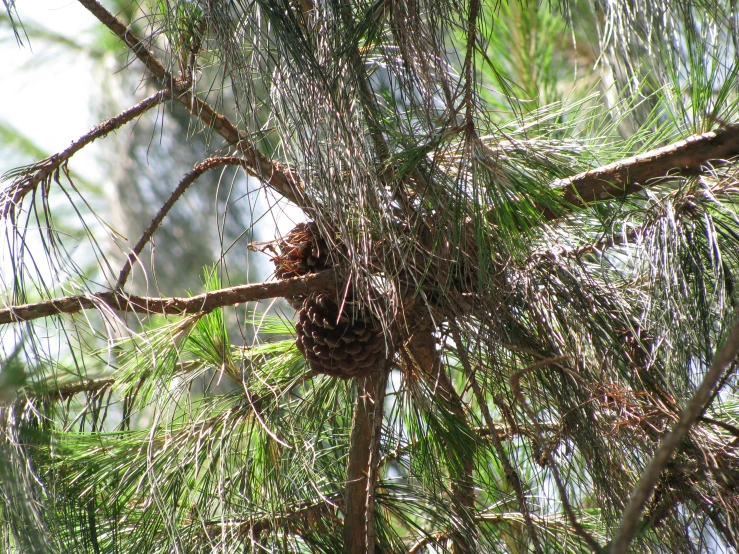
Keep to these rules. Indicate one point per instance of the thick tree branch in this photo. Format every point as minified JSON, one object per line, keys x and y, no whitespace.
{"x":691,"y":413}
{"x":31,"y":176}
{"x":688,"y":157}
{"x":278,"y":176}
{"x":186,"y":181}
{"x":364,"y":456}
{"x":170,"y":306}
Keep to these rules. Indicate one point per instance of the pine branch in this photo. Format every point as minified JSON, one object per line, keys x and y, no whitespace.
{"x":258,"y":165}
{"x":89,"y":386}
{"x":133,"y":42}
{"x":695,"y":407}
{"x":364,"y":457}
{"x":28,"y":178}
{"x":294,"y":519}
{"x":692,"y":156}
{"x":205,"y":302}
{"x":186,"y":181}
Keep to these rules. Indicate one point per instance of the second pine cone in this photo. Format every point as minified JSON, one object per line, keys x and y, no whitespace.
{"x":335,"y":344}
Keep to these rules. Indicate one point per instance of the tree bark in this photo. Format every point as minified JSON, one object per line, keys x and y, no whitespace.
{"x":207,"y":301}
{"x":364,"y":455}
{"x":690,"y":156}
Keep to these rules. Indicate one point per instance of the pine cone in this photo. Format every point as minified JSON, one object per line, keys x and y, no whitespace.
{"x":335,"y":344}
{"x":302,"y":251}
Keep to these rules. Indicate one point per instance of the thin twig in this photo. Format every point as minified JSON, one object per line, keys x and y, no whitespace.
{"x":481,"y":434}
{"x":515,"y":380}
{"x":30,"y":177}
{"x":644,"y":488}
{"x":469,"y":62}
{"x":428,"y":539}
{"x":258,"y":165}
{"x":511,"y":474}
{"x":121,"y":301}
{"x":65,"y":391}
{"x":186,"y":181}
{"x":293,"y":518}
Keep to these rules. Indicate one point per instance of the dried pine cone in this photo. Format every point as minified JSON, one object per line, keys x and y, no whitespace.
{"x":335,"y":344}
{"x":302,"y":251}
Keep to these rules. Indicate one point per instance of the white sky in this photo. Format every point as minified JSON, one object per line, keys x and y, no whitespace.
{"x":44,"y":95}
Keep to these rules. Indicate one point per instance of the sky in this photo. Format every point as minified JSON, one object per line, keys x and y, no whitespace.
{"x":44,"y":95}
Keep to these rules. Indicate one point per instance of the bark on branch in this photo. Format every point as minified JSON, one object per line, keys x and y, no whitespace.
{"x":362,"y":466}
{"x":134,"y":43}
{"x":123,"y":302}
{"x":691,"y":156}
{"x":28,"y":178}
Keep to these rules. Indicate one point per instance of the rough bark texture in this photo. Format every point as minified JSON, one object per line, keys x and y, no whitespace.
{"x":364,"y":456}
{"x":686,"y":157}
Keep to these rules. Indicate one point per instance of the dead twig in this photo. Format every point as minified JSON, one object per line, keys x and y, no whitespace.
{"x":186,"y":181}
{"x":302,"y":517}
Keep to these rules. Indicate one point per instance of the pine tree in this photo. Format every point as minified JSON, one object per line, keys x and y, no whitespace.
{"x":514,"y":284}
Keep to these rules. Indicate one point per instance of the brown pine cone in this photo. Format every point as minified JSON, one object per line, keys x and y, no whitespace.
{"x":302,"y":251}
{"x":335,"y":344}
